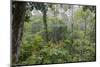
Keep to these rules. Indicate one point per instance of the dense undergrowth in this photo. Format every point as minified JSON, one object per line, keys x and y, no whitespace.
{"x":61,"y":48}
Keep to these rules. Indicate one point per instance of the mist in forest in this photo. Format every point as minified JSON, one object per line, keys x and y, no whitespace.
{"x":58,"y":33}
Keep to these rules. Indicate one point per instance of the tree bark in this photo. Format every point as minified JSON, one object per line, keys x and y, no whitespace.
{"x":45,"y":24}
{"x":85,"y":28}
{"x":17,"y":29}
{"x":72,"y":24}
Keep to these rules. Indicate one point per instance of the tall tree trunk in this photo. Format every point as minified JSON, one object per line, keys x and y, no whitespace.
{"x":17,"y":29}
{"x":72,"y":33}
{"x":55,"y":22}
{"x":45,"y":24}
{"x":85,"y":28}
{"x":72,"y":23}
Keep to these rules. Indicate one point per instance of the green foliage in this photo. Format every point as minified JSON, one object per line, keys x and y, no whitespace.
{"x":63,"y":45}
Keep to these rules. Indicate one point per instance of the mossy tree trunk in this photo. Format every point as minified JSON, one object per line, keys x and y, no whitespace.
{"x":45,"y":24}
{"x":17,"y":29}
